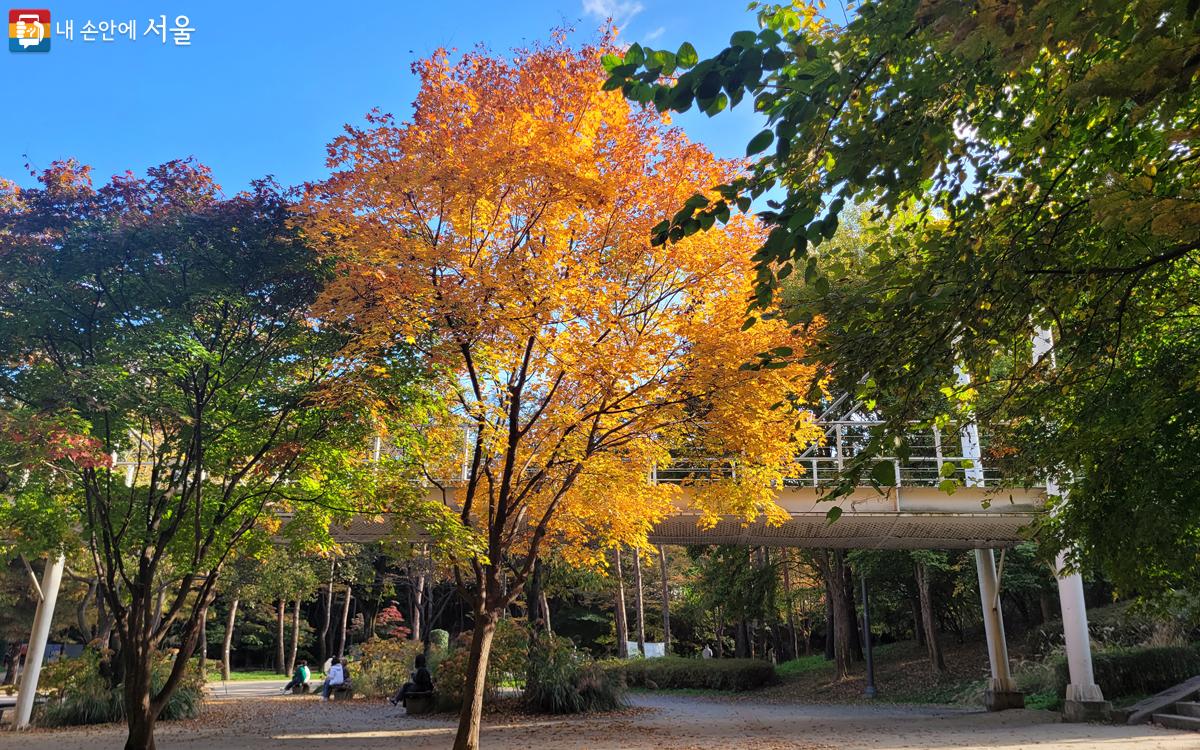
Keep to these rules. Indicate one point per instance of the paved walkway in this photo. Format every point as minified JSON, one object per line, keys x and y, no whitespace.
{"x":655,"y":722}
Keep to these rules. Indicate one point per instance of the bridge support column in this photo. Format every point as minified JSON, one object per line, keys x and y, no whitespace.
{"x":1002,"y":692}
{"x":42,"y":619}
{"x":1084,"y":699}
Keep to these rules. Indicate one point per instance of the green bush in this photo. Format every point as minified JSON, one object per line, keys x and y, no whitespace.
{"x":704,"y":674}
{"x":1114,"y":626}
{"x":1143,"y":671}
{"x":439,"y":638}
{"x":561,"y":680}
{"x":80,"y":694}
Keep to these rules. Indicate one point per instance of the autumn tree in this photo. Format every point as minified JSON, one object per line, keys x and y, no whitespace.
{"x":504,"y":229}
{"x":172,"y":324}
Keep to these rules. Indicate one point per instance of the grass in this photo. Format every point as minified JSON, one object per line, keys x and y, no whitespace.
{"x":254,"y":674}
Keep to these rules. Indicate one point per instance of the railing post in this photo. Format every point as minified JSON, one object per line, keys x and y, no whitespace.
{"x":838,"y":427}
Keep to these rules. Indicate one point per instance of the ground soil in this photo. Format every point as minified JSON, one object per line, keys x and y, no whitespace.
{"x":656,"y":721}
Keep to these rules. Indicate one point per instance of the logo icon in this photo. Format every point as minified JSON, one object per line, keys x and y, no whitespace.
{"x":29,"y":30}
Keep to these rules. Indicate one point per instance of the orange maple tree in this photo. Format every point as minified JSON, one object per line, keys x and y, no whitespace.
{"x":505,"y":230}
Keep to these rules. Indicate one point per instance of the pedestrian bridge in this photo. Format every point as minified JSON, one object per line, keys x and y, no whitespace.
{"x":913,"y":513}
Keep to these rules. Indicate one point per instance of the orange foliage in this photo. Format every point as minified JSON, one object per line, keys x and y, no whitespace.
{"x":504,"y":231}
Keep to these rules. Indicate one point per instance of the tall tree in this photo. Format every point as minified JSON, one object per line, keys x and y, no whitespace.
{"x":175,"y":324}
{"x":503,"y":229}
{"x":1036,"y":162}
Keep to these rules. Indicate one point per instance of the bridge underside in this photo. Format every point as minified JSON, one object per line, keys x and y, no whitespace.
{"x":902,"y":518}
{"x":855,"y":531}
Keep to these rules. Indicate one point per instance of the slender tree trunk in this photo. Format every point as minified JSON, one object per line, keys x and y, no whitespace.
{"x":471,"y":713}
{"x":932,"y":642}
{"x":914,"y":603}
{"x":280,"y":637}
{"x":291,"y":665}
{"x":787,"y":598}
{"x":545,"y":605}
{"x":619,"y":609}
{"x":85,"y":630}
{"x":230,"y":621}
{"x":341,"y":646}
{"x":1046,"y":606}
{"x":666,"y":599}
{"x":418,"y":595}
{"x":830,"y":619}
{"x":204,"y":643}
{"x":639,"y":601}
{"x":327,"y":613}
{"x":720,"y":650}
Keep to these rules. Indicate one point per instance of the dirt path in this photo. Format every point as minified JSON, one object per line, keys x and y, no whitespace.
{"x":655,"y":722}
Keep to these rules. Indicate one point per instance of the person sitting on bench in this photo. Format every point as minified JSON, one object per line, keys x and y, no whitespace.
{"x":420,"y":681}
{"x":334,"y":679}
{"x":299,"y":679}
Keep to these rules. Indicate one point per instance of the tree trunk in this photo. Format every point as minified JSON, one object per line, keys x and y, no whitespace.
{"x":829,"y":616}
{"x":1046,"y":606}
{"x":639,"y":601}
{"x":471,"y":713}
{"x":914,"y":604}
{"x":619,"y":609}
{"x":139,"y":714}
{"x":787,"y":598}
{"x":230,"y":620}
{"x":341,"y":646}
{"x":280,"y":637}
{"x":932,"y":642}
{"x":666,"y":600}
{"x":831,"y":564}
{"x":545,"y":605}
{"x":720,"y":649}
{"x":741,"y":646}
{"x":418,"y":599}
{"x":204,"y":643}
{"x":291,"y":665}
{"x":327,"y":614}
{"x":856,"y":652}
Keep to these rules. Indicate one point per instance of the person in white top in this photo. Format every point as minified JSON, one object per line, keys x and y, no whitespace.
{"x":333,"y":678}
{"x":707,"y":653}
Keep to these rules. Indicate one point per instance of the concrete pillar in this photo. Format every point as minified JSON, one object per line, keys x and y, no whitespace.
{"x":1002,"y":692}
{"x":42,"y":618}
{"x":1084,"y":700}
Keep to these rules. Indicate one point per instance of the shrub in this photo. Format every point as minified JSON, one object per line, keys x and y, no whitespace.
{"x":439,"y":638}
{"x":1143,"y":671}
{"x":384,"y":666}
{"x":561,"y":680}
{"x":510,"y":647}
{"x":82,"y":695}
{"x":1113,"y":626}
{"x":704,"y":674}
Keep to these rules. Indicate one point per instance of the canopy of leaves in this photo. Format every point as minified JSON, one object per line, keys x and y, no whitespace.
{"x":1028,"y":164}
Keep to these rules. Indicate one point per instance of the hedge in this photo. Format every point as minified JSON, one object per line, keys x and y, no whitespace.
{"x":1142,"y":671}
{"x":706,"y":674}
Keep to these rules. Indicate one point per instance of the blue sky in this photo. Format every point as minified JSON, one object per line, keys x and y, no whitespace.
{"x":265,"y":85}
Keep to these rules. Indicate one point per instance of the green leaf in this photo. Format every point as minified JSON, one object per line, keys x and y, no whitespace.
{"x":760,"y":142}
{"x":635,"y":55}
{"x":833,"y":514}
{"x":749,"y":323}
{"x":884,"y":474}
{"x":743,"y":39}
{"x":686,"y":57}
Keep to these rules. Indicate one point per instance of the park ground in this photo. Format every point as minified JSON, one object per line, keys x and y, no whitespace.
{"x":253,"y":715}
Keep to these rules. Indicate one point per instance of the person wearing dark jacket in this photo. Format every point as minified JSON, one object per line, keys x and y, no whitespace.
{"x":420,"y":681}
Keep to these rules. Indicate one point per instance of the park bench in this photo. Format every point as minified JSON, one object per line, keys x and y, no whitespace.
{"x":345,"y":691}
{"x":416,"y":704}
